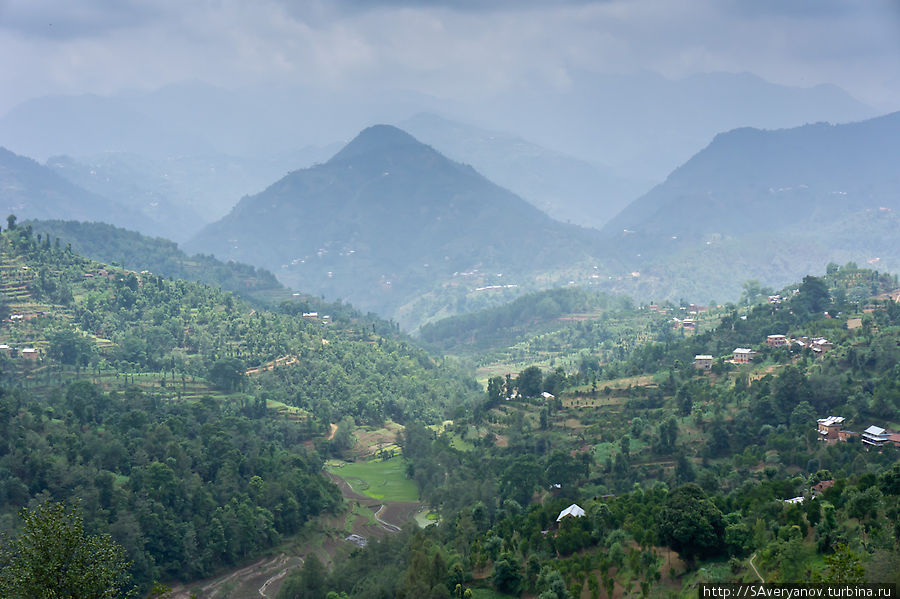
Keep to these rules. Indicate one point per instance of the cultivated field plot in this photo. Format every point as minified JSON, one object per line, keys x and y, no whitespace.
{"x":376,"y":479}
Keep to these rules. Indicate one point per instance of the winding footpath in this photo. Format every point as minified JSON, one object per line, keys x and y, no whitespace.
{"x":750,"y":561}
{"x":386,"y":525}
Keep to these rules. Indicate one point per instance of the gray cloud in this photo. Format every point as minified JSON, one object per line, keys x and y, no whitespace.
{"x":452,"y":49}
{"x":52,"y":19}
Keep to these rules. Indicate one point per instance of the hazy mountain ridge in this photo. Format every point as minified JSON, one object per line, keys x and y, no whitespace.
{"x":388,"y":218}
{"x":30,"y":190}
{"x":567,"y":188}
{"x":808,"y":170}
{"x":182,"y":193}
{"x":642,"y":125}
{"x":766,"y":204}
{"x":645,"y":125}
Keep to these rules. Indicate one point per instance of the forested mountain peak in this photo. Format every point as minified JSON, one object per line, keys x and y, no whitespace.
{"x":377,"y":139}
{"x":386,"y":220}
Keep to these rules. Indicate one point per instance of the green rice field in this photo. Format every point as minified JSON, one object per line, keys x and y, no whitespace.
{"x":379,"y":480}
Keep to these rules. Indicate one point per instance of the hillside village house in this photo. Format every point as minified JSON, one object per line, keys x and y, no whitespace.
{"x":29,"y":353}
{"x":875,"y":436}
{"x":703,"y":361}
{"x":830,"y":429}
{"x":821,"y":487}
{"x":743,"y":355}
{"x":776,"y":340}
{"x":817,"y":345}
{"x":688,"y":324}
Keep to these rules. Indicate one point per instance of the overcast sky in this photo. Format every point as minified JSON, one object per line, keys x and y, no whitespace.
{"x":452,"y":49}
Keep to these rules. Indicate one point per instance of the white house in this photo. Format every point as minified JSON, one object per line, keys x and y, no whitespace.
{"x":875,"y":436}
{"x":573,"y":511}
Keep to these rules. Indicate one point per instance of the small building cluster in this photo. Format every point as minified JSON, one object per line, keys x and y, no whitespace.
{"x":817,"y":345}
{"x":17,"y":317}
{"x":326,"y":319}
{"x":26,"y":353}
{"x":745,"y":355}
{"x":830,"y":430}
{"x":687,"y":323}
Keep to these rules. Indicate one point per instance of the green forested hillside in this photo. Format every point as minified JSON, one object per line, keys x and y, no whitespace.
{"x":502,"y":325}
{"x":132,"y":250}
{"x":173,"y":412}
{"x":188,"y":423}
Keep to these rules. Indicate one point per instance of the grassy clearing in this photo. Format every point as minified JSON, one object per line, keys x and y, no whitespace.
{"x":622,"y":383}
{"x":379,"y":480}
{"x":283,"y":409}
{"x":361,"y":513}
{"x":426,"y":518}
{"x":609,"y":450}
{"x":457,"y":442}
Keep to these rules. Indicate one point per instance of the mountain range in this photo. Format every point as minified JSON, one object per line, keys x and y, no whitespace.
{"x":641,"y":125}
{"x":394,"y":226}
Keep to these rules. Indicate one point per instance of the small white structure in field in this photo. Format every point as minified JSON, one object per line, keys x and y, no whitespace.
{"x":573,"y":511}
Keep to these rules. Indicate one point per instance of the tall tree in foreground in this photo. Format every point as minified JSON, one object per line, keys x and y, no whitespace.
{"x":52,"y":557}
